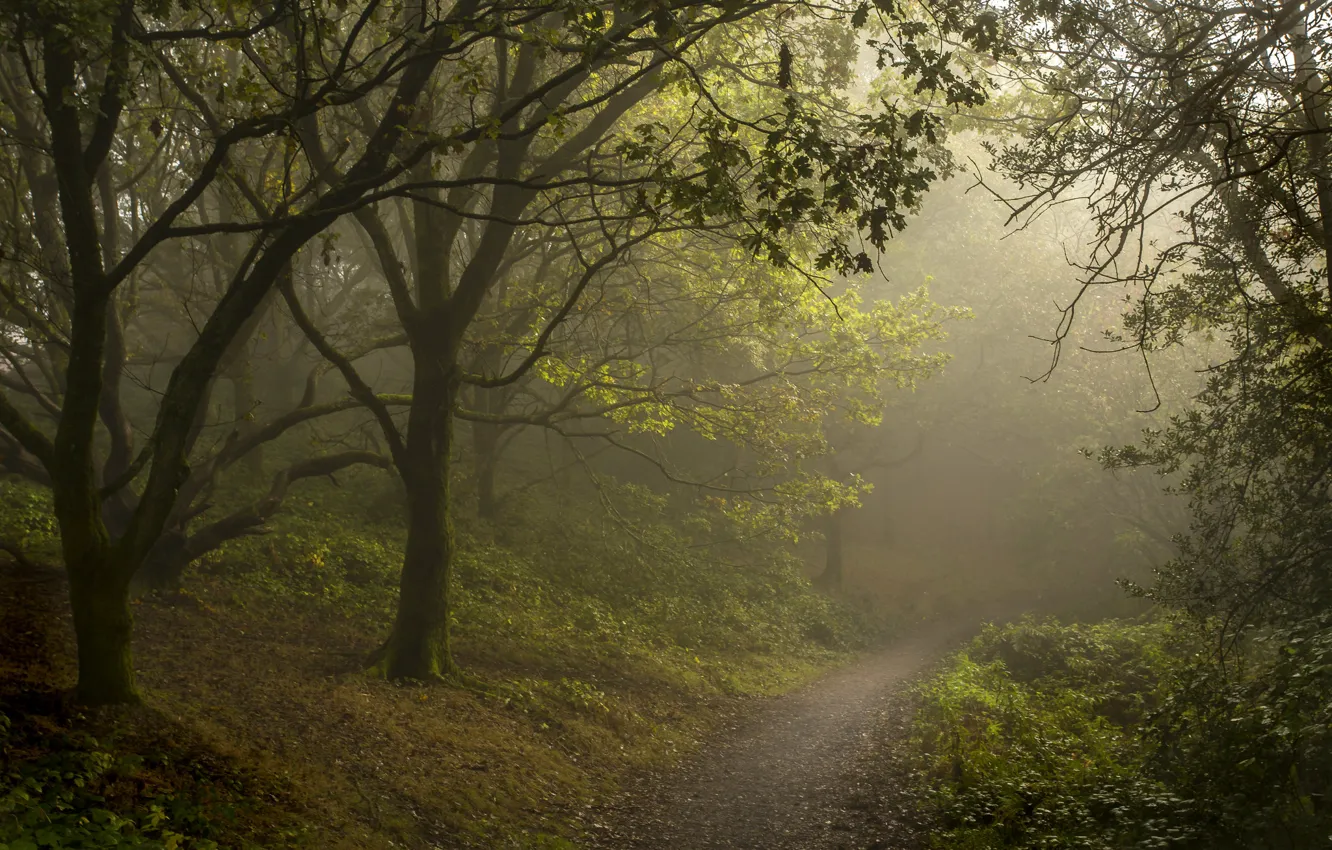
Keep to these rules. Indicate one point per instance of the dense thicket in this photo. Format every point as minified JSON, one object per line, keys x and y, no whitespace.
{"x":1124,"y":735}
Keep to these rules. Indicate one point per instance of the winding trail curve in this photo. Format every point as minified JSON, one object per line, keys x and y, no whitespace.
{"x":807,"y":771}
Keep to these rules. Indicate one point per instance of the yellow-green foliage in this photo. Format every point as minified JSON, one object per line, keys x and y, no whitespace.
{"x":1030,"y":737}
{"x":1117,"y":735}
{"x":27,"y":521}
{"x":560,"y":582}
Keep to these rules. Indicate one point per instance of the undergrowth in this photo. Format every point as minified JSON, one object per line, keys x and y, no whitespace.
{"x":1129,"y":735}
{"x":64,"y":787}
{"x":554,"y":583}
{"x":1028,"y":736}
{"x":599,"y":644}
{"x":27,"y":520}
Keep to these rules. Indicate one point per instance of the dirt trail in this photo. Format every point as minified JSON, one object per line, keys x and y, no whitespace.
{"x":810,"y":770}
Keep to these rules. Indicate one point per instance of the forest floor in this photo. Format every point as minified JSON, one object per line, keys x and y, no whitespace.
{"x":266,"y":710}
{"x":261,"y":713}
{"x":821,"y":768}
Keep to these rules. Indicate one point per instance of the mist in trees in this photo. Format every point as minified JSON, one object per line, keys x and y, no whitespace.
{"x":460,"y":146}
{"x":1195,"y":139}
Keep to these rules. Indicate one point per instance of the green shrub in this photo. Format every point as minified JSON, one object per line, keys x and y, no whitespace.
{"x":66,"y":789}
{"x":27,"y":518}
{"x":1250,"y":740}
{"x":555,"y":578}
{"x":1029,"y":739}
{"x":1042,"y":735}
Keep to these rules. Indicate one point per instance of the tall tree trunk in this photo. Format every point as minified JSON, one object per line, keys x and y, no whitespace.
{"x":833,"y":559}
{"x":98,"y":595}
{"x":485,"y":450}
{"x":99,"y":585}
{"x":243,"y":406}
{"x":99,"y":575}
{"x":418,"y":647}
{"x":99,"y":598}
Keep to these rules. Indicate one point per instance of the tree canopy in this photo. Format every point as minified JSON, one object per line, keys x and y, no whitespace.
{"x":174,"y":170}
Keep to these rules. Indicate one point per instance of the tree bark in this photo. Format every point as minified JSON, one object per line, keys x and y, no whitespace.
{"x":98,"y":576}
{"x":99,"y":598}
{"x":834,"y":560}
{"x":485,"y":447}
{"x":418,"y":647}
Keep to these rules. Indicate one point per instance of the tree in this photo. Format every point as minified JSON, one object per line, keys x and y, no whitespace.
{"x":608,"y":132}
{"x":81,"y":84}
{"x":1198,"y":135}
{"x":692,"y":339}
{"x":1206,"y":167}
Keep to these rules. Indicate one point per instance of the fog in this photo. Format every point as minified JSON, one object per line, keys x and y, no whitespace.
{"x":1001,"y":498}
{"x":673,"y":424}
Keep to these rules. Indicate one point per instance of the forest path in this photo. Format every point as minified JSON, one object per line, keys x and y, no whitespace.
{"x":815,"y":769}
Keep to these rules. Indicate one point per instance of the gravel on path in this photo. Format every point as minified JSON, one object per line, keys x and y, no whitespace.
{"x":818,"y":769}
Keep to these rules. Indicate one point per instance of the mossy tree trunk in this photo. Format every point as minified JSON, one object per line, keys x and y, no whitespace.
{"x":418,"y":647}
{"x":99,"y":576}
{"x":103,"y":626}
